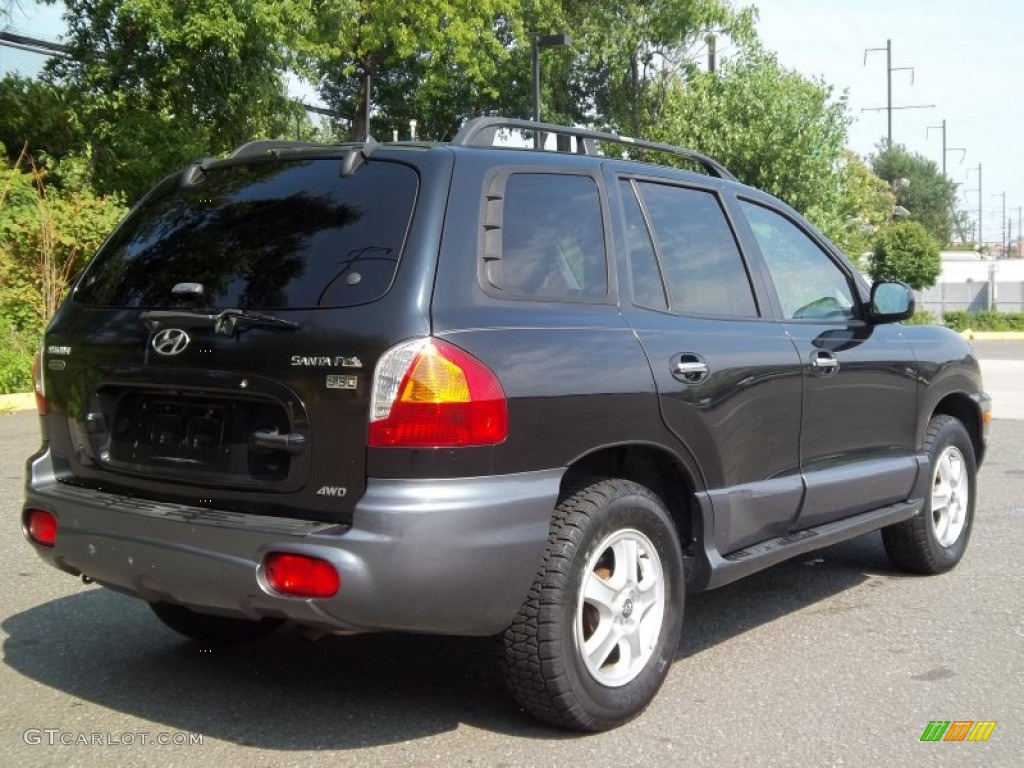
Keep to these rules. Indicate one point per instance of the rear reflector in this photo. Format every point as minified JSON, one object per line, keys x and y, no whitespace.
{"x":428,"y":393}
{"x":301,"y":575}
{"x":41,"y":526}
{"x":37,"y":384}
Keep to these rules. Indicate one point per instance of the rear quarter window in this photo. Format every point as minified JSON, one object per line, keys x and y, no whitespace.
{"x":283,"y":234}
{"x":550,"y":241}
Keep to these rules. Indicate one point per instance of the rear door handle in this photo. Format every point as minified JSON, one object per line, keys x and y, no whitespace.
{"x":824,"y":363}
{"x":689,"y":367}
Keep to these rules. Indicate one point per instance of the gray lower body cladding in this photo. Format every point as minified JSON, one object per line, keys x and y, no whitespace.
{"x":453,"y":556}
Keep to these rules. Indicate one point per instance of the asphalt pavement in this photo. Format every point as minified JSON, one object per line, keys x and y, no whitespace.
{"x":1002,"y":367}
{"x":833,"y":658}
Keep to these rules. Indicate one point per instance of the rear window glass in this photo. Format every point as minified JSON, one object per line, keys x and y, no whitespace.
{"x":285,"y":234}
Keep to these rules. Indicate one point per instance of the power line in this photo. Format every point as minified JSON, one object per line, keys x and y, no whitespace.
{"x":49,"y":48}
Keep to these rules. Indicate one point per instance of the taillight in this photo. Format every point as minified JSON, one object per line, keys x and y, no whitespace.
{"x":37,"y":384}
{"x":301,"y":575}
{"x":429,"y":393}
{"x":41,"y":527}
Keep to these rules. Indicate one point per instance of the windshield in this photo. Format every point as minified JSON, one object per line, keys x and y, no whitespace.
{"x":269,"y":235}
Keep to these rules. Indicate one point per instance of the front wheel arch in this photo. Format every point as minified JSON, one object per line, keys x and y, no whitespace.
{"x":935,"y":540}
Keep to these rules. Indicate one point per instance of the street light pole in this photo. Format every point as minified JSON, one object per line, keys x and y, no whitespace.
{"x":538,"y":42}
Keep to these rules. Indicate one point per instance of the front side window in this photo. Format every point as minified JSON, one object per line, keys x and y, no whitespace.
{"x":810,"y":286}
{"x":552,"y":238}
{"x":701,"y":262}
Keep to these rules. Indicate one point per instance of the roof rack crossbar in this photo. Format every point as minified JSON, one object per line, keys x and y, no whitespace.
{"x":480,"y":132}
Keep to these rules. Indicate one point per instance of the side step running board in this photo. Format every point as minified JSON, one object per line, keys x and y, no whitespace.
{"x":736,"y":565}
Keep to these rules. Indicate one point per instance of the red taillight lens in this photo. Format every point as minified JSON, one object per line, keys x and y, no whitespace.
{"x":431,"y":394}
{"x":41,"y":526}
{"x":37,"y":385}
{"x":301,"y":575}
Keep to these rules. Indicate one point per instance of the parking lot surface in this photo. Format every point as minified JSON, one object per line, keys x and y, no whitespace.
{"x":830,"y":659}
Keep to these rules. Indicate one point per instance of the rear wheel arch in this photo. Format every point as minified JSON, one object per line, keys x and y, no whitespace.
{"x":651,"y":466}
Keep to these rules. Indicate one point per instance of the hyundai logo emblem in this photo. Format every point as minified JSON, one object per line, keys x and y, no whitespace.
{"x":170,"y":341}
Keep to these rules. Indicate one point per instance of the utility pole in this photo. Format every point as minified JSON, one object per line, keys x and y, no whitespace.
{"x":1002,"y":235}
{"x":1020,"y":230}
{"x":889,"y":69}
{"x":961,"y":150}
{"x":978,"y":169}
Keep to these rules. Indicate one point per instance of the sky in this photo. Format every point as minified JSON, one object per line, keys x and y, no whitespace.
{"x":967,"y":59}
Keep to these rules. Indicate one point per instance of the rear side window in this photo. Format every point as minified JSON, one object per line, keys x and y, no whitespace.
{"x":285,"y":234}
{"x":551,"y":238}
{"x":703,"y":268}
{"x":648,"y":285}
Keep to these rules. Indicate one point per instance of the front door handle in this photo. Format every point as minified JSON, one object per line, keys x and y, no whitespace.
{"x":689,"y":367}
{"x":824,"y":363}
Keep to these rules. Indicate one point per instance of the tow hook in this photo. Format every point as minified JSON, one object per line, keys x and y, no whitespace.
{"x":86,"y":579}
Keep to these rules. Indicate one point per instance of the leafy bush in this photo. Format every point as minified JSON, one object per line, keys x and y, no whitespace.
{"x":988,"y":320}
{"x":905,"y":251}
{"x":50,"y":224}
{"x":923,"y":317}
{"x":17,"y":349}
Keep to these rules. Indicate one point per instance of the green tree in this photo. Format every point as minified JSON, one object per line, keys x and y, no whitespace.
{"x":156,"y":83}
{"x":905,"y":251}
{"x":772,"y":127}
{"x":438,"y":61}
{"x":628,"y":54}
{"x":927,"y":194}
{"x":865,"y":204}
{"x":36,"y":113}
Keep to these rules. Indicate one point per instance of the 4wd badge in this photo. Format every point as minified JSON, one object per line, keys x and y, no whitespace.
{"x":332,"y":490}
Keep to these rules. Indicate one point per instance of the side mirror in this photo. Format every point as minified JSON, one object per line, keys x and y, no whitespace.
{"x":891,"y":303}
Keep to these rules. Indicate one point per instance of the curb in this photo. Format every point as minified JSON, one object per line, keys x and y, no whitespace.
{"x":967,"y":333}
{"x":22,"y":401}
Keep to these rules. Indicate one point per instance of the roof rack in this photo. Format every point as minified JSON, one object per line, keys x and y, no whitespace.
{"x":263,"y":146}
{"x":480,"y":132}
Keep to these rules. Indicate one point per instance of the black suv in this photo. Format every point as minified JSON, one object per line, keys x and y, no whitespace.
{"x":475,"y":390}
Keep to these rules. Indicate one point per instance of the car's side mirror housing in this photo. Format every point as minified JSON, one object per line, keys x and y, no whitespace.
{"x":891,"y":302}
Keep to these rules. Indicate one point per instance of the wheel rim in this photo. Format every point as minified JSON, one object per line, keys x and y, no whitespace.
{"x":621,"y":608}
{"x":950,"y":496}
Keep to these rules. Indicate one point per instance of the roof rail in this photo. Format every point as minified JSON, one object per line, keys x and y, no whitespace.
{"x":480,"y":132}
{"x":262,"y":146}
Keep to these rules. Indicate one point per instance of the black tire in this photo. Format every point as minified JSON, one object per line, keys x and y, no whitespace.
{"x":596,"y":525}
{"x":213,"y":630}
{"x":935,"y":540}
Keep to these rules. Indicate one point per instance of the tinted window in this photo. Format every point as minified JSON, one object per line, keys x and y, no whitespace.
{"x":809,"y":284}
{"x":703,"y":266}
{"x":552,"y":238}
{"x":648,"y":287}
{"x":271,"y":234}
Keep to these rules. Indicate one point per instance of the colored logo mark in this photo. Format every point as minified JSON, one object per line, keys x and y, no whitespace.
{"x":958,"y":730}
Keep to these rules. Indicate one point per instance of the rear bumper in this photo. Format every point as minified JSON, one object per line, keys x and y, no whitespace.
{"x":453,"y":556}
